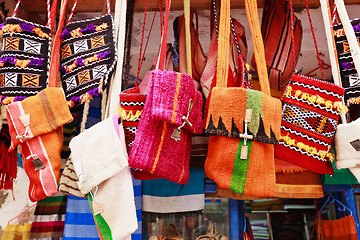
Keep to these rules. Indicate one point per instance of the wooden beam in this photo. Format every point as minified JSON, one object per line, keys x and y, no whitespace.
{"x":39,"y":6}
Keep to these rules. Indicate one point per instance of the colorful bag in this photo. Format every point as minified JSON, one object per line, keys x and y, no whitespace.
{"x":88,"y":56}
{"x":245,"y":166}
{"x":36,"y":123}
{"x":311,"y":110}
{"x":276,"y":32}
{"x":348,"y":73}
{"x":338,"y":229}
{"x":24,"y":59}
{"x":163,"y":147}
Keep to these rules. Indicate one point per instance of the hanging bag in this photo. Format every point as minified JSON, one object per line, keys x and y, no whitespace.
{"x":172,"y":112}
{"x":276,"y":30}
{"x":242,"y":161}
{"x":24,"y":57}
{"x":88,"y":56}
{"x":311,"y":110}
{"x":346,"y":137}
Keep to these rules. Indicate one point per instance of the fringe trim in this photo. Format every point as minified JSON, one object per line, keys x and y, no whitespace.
{"x":86,"y":96}
{"x":311,"y":150}
{"x":78,"y":32}
{"x":355,"y":100}
{"x":288,"y":170}
{"x":84,"y":62}
{"x":5,"y":100}
{"x":12,"y":28}
{"x":130,"y":116}
{"x":338,"y":106}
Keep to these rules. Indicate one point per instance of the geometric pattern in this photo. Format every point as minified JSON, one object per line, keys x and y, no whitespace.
{"x":32,"y":46}
{"x":70,"y":83}
{"x":354,"y":80}
{"x":10,"y":79}
{"x":84,"y":77}
{"x":30,"y":80}
{"x":99,"y":71}
{"x":309,"y":120}
{"x":130,"y":135}
{"x":97,"y":42}
{"x":2,"y":80}
{"x":80,"y":46}
{"x":12,"y":44}
{"x":65,"y":51}
{"x":346,"y":47}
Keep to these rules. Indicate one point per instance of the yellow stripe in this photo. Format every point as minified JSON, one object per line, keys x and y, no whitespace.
{"x":178,"y":84}
{"x":159,"y":149}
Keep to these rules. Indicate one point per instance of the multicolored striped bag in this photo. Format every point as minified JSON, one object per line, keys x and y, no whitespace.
{"x":276,"y":32}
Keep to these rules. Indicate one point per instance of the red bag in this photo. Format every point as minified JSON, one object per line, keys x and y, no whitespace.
{"x":276,"y":32}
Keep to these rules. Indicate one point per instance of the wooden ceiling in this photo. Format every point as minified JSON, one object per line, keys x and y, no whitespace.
{"x":39,"y":6}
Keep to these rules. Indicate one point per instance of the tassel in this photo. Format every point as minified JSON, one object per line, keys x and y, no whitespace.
{"x":8,"y":161}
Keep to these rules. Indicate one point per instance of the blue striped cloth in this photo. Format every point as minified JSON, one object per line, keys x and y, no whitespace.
{"x":137,"y":235}
{"x":79,"y":221}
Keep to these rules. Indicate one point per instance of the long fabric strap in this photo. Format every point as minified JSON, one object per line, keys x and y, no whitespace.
{"x":55,"y":56}
{"x":188,"y":36}
{"x":259,"y":51}
{"x":161,"y":62}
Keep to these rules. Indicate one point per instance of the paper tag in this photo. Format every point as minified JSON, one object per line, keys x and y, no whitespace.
{"x":248,"y":114}
{"x":25,"y":119}
{"x":244,"y":152}
{"x":97,"y":208}
{"x":176,"y":135}
{"x":38,"y":164}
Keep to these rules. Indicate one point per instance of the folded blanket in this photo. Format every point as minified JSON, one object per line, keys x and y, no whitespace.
{"x":37,"y":115}
{"x":98,"y":153}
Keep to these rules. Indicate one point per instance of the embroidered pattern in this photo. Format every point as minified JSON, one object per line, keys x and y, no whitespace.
{"x":97,"y":42}
{"x":10,"y":79}
{"x":2,"y":80}
{"x":88,"y":54}
{"x":24,"y":59}
{"x":66,"y":51}
{"x":32,"y":46}
{"x":70,"y":83}
{"x":309,"y":120}
{"x":99,"y":71}
{"x":30,"y":80}
{"x":12,"y":44}
{"x":311,"y":111}
{"x":84,"y":77}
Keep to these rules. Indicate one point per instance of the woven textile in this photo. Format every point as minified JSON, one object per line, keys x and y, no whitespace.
{"x":311,"y":111}
{"x":49,"y":219}
{"x":164,"y":196}
{"x":137,"y":235}
{"x":24,"y":59}
{"x":349,"y":77}
{"x":79,"y":221}
{"x":16,"y":232}
{"x":88,"y":57}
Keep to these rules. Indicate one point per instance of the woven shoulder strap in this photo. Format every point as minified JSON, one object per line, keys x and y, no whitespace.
{"x":188,"y":36}
{"x":224,"y":44}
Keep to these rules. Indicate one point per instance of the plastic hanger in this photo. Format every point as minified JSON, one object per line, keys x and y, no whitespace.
{"x":331,"y":199}
{"x":23,"y":212}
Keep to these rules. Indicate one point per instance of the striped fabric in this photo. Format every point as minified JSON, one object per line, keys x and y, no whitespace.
{"x":79,"y":221}
{"x":137,"y":235}
{"x":49,"y":218}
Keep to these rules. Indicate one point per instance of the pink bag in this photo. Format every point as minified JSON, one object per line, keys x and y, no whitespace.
{"x":172,"y":112}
